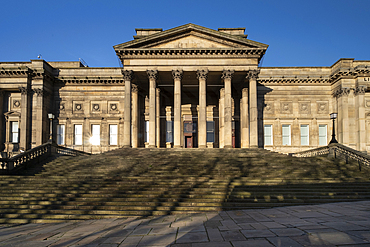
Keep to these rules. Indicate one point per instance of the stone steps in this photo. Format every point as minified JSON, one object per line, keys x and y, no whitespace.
{"x":160,"y":181}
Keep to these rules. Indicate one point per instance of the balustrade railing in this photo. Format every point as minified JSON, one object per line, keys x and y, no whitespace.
{"x":337,"y":150}
{"x":37,"y":154}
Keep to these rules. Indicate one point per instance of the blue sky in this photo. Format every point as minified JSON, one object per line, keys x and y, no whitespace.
{"x":299,"y":33}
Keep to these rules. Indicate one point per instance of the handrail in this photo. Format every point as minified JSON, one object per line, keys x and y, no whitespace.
{"x":312,"y":152}
{"x":37,"y":154}
{"x":337,"y":149}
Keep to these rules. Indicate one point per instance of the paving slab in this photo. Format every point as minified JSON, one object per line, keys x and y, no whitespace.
{"x":336,"y":224}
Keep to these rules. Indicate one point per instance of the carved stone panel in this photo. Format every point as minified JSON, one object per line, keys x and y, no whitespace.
{"x":367,"y":103}
{"x":78,"y":107}
{"x":286,"y":107}
{"x":304,"y":107}
{"x":113,"y":107}
{"x":269,"y":107}
{"x":322,"y":107}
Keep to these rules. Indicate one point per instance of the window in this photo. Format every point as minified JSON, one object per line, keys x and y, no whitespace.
{"x":210,"y":131}
{"x":286,"y":134}
{"x":305,"y":135}
{"x":78,"y":134}
{"x":146,"y":132}
{"x":169,"y":131}
{"x":95,"y":134}
{"x":268,"y":134}
{"x":14,"y":132}
{"x":60,"y":134}
{"x":323,"y":138}
{"x":113,"y":133}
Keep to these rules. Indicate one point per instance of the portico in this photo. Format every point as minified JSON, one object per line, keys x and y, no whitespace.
{"x":188,"y":67}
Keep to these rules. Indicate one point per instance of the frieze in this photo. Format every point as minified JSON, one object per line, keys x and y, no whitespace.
{"x":293,"y":80}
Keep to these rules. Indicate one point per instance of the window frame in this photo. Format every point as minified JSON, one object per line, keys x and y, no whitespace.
{"x":303,"y":135}
{"x":113,"y":138}
{"x":266,"y":136}
{"x":61,"y":135}
{"x":326,"y":135}
{"x":12,"y":133}
{"x":286,"y":136}
{"x":78,"y":135}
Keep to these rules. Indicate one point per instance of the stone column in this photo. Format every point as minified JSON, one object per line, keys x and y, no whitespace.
{"x":152,"y":74}
{"x":134,"y":115}
{"x":221,"y":118}
{"x":345,"y":118}
{"x":39,"y":115}
{"x":2,"y":129}
{"x":227,"y":76}
{"x":244,"y":125}
{"x":127,"y":76}
{"x":253,"y":112}
{"x":360,"y":117}
{"x":24,"y":142}
{"x":202,"y":114}
{"x":157,"y":118}
{"x":177,"y":75}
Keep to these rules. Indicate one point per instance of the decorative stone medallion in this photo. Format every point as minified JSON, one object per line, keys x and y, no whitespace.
{"x":304,"y":108}
{"x":286,"y":107}
{"x":16,"y":103}
{"x":113,"y":107}
{"x":78,"y":107}
{"x":95,"y":107}
{"x":322,"y":108}
{"x":269,"y":107}
{"x":367,"y":104}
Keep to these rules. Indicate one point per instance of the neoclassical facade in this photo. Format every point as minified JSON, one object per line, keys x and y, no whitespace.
{"x":186,"y":87}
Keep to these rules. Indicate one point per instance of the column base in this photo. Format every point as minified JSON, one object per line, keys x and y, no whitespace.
{"x":152,"y":146}
{"x":202,"y":146}
{"x":126,"y":146}
{"x":228,"y":146}
{"x":253,"y":146}
{"x":177,"y":146}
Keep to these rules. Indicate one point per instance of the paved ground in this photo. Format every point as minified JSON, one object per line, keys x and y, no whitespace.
{"x":336,"y":224}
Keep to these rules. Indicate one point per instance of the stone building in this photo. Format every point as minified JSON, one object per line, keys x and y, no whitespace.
{"x":186,"y":87}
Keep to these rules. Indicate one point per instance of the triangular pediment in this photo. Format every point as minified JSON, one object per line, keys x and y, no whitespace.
{"x":190,"y":41}
{"x":190,"y":36}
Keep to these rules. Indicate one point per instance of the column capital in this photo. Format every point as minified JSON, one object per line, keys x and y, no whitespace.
{"x":360,"y":90}
{"x":252,"y":74}
{"x":202,"y":74}
{"x":24,"y":90}
{"x":177,"y":74}
{"x":39,"y":91}
{"x":227,"y":74}
{"x":127,"y":75}
{"x":134,"y":88}
{"x":152,"y":74}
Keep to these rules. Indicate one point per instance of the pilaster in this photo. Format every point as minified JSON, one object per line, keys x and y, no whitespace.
{"x":39,"y":93}
{"x":221,"y":118}
{"x":152,"y":74}
{"x":361,"y":117}
{"x":177,"y":76}
{"x":202,"y":113}
{"x":24,"y":142}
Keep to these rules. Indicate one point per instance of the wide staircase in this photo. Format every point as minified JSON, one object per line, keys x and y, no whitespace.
{"x":140,"y":182}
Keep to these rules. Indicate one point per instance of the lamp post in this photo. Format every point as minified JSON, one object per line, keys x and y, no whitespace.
{"x":333,"y":116}
{"x":51,"y":117}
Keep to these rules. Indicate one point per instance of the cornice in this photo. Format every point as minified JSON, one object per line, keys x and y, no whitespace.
{"x":15,"y":72}
{"x":293,"y":80}
{"x":91,"y":80}
{"x":190,"y":53}
{"x":350,"y":73}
